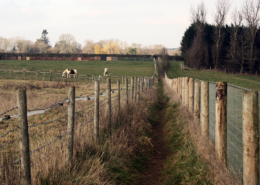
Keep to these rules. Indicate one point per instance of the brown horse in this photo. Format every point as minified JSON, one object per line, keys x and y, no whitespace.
{"x":68,"y":72}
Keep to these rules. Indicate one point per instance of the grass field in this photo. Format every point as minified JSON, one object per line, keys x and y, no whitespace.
{"x":129,"y":68}
{"x":250,"y":82}
{"x":42,"y":94}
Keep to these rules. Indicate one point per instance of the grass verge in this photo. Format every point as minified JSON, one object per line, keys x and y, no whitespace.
{"x":117,"y":159}
{"x":247,"y":81}
{"x":194,"y":159}
{"x":183,"y":166}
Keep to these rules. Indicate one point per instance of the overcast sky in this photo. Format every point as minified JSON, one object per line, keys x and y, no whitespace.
{"x":134,"y":21}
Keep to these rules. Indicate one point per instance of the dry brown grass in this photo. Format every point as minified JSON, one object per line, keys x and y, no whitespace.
{"x":204,"y":147}
{"x":92,"y":161}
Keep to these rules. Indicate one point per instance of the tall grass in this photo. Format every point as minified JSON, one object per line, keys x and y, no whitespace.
{"x":181,"y":120}
{"x":114,"y":160}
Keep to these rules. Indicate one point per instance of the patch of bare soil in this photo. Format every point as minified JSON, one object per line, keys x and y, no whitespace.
{"x":152,"y":172}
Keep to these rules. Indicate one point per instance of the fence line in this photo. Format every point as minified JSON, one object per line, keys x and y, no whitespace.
{"x":25,"y":158}
{"x":229,"y":116}
{"x":57,"y":76}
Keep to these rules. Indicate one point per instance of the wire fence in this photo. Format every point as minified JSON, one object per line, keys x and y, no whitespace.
{"x":41,"y":141}
{"x":212,"y":97}
{"x":234,"y":127}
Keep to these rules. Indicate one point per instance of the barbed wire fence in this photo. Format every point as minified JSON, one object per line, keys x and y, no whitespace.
{"x":42,"y":143}
{"x":232,"y":123}
{"x":82,"y":96}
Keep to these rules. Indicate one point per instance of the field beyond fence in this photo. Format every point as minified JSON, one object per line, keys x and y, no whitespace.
{"x":85,"y":68}
{"x":247,"y":81}
{"x":51,"y":137}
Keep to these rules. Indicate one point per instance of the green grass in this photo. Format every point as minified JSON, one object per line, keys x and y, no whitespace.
{"x":184,"y":165}
{"x":250,"y":82}
{"x":234,"y":107}
{"x":129,"y":68}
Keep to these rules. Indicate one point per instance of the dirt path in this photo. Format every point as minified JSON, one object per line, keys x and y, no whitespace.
{"x":152,"y":173}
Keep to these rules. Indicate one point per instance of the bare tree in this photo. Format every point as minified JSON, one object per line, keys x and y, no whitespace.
{"x":198,"y":18}
{"x":222,"y":8}
{"x":164,"y":62}
{"x":197,"y":53}
{"x":251,"y":15}
{"x":66,"y":44}
{"x":6,"y":44}
{"x":89,"y":46}
{"x":1,"y":43}
{"x":236,"y":50}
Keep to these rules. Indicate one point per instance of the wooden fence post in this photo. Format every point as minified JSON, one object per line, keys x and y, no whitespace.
{"x":10,"y":74}
{"x":108,"y":111}
{"x":147,"y":81}
{"x":96,"y":112}
{"x":144,"y":84}
{"x":135,"y":89}
{"x":221,"y":121}
{"x":187,"y":79}
{"x":191,"y":95}
{"x":147,"y":84}
{"x":126,"y":91}
{"x":139,"y":89}
{"x":44,"y":77}
{"x":250,"y":138}
{"x":50,"y":75}
{"x":205,"y":108}
{"x":197,"y":100}
{"x":179,"y":88}
{"x":141,"y":84}
{"x":183,"y":90}
{"x":24,"y":75}
{"x":175,"y":86}
{"x":24,"y":138}
{"x":37,"y":75}
{"x":132,"y":92}
{"x":122,"y":79}
{"x":118,"y":100}
{"x":70,"y":129}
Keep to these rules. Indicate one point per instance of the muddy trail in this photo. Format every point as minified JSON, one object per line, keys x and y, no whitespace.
{"x":154,"y":167}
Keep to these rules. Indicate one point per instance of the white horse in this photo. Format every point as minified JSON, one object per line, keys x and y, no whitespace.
{"x":68,"y":72}
{"x":105,"y":71}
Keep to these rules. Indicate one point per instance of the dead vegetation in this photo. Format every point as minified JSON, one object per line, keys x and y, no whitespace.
{"x":204,"y":147}
{"x":109,"y":162}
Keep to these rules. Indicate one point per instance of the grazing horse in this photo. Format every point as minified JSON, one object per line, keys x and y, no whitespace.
{"x":68,"y":72}
{"x":105,"y":71}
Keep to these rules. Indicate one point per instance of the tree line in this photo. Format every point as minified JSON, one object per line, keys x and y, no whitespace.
{"x":233,"y":47}
{"x":68,"y":44}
